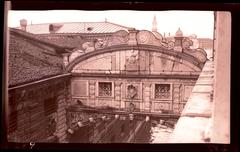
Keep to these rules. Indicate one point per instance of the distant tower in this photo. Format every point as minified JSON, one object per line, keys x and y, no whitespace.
{"x":154,"y":24}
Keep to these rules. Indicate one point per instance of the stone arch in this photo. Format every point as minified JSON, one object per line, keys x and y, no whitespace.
{"x":186,"y":59}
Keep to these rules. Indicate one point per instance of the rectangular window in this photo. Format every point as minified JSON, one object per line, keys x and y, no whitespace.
{"x":105,"y":89}
{"x":50,"y":106}
{"x":162,"y":91}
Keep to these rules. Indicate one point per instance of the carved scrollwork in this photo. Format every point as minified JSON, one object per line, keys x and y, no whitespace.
{"x":187,"y":43}
{"x":122,"y":36}
{"x":100,"y":43}
{"x":88,"y":47}
{"x":170,"y":45}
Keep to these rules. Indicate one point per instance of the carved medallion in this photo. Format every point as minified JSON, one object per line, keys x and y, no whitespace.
{"x":143,"y":37}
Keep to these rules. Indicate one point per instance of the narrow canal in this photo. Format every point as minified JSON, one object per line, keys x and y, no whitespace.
{"x":124,"y":130}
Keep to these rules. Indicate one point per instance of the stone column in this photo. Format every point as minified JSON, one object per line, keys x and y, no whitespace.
{"x":221,"y":98}
{"x":117,"y":102}
{"x":92,"y":93}
{"x":176,"y":98}
{"x":147,"y":97}
{"x":61,"y":127}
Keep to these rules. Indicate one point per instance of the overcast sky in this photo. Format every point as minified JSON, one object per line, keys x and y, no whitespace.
{"x":191,"y":22}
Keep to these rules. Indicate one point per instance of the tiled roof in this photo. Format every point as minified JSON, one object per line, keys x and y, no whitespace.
{"x":43,"y":40}
{"x":29,"y":62}
{"x":77,"y":27}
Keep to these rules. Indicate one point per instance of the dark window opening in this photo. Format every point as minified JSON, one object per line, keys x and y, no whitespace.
{"x":50,"y":106}
{"x":105,"y":89}
{"x":90,"y":28}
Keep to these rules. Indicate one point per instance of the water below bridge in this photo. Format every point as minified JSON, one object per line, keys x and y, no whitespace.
{"x":124,"y":130}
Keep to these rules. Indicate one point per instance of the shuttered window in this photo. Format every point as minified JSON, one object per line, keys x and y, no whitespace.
{"x":50,"y":106}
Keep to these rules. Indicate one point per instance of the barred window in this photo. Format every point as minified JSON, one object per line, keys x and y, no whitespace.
{"x":105,"y":89}
{"x":162,"y":91}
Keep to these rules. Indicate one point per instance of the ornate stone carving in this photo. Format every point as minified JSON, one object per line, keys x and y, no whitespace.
{"x":88,"y":47}
{"x":170,"y":45}
{"x":133,"y":58}
{"x":186,"y":43}
{"x":143,"y":37}
{"x":132,"y":92}
{"x":122,"y":36}
{"x":100,"y":43}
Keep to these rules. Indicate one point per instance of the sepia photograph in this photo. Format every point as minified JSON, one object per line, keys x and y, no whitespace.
{"x":118,"y":76}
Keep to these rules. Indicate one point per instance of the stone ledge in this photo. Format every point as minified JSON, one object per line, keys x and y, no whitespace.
{"x":195,"y":116}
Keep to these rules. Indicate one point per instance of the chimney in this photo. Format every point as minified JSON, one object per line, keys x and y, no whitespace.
{"x":54,"y":27}
{"x":23,"y":24}
{"x":178,"y":40}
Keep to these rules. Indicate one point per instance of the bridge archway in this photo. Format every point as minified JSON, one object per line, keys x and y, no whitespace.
{"x":183,"y":58}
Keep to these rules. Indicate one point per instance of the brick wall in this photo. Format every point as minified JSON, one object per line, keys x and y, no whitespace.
{"x":35,"y":106}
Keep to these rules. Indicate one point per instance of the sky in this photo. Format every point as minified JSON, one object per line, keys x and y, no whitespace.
{"x":190,"y":22}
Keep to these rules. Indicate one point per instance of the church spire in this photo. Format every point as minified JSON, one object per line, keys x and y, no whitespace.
{"x":154,"y":24}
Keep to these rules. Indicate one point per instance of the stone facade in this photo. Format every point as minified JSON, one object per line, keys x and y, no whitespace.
{"x":37,"y":111}
{"x":144,"y":100}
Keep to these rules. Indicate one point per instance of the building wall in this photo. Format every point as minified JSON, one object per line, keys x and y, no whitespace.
{"x":135,"y":63}
{"x":87,"y":90}
{"x":37,"y":111}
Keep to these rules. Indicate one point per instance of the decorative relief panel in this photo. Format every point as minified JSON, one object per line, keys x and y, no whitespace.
{"x":133,"y":91}
{"x":122,"y":36}
{"x":132,"y":60}
{"x":104,"y":103}
{"x":143,"y":37}
{"x":79,"y":88}
{"x":159,"y":106}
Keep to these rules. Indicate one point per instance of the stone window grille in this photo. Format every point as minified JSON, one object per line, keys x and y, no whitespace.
{"x":162,"y":91}
{"x":105,"y":89}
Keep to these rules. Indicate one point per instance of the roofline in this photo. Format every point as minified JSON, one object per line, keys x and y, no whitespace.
{"x":32,"y":37}
{"x":75,"y":22}
{"x":39,"y":81}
